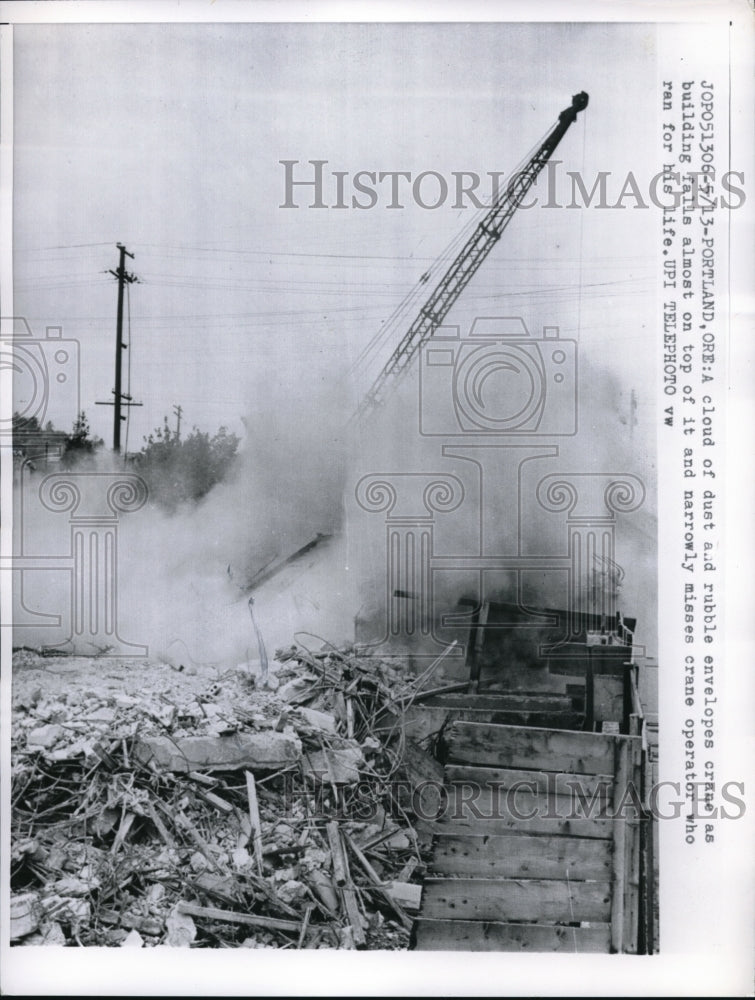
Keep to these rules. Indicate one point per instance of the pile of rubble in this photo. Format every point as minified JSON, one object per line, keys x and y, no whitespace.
{"x":240,"y":815}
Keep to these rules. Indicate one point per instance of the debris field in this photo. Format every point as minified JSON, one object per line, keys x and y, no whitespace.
{"x":157,"y":805}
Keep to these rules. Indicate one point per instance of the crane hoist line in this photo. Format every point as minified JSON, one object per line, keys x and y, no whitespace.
{"x":466,"y":263}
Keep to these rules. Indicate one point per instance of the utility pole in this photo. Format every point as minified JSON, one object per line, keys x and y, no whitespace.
{"x":178,"y":410}
{"x":121,"y":398}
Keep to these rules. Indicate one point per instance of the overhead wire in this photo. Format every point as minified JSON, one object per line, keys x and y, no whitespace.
{"x":581,"y":229}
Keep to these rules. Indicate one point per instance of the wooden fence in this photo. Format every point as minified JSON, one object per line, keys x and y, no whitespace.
{"x":538,"y":845}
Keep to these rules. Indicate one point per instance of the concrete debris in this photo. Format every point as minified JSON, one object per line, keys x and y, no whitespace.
{"x":335,"y":765}
{"x":222,"y":814}
{"x":45,"y":736}
{"x":25,"y":913}
{"x":405,"y":893}
{"x":207,"y":753}
{"x":181,"y":930}
{"x":323,"y":721}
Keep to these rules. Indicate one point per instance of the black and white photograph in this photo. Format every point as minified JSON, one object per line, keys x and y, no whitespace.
{"x":374,"y":437}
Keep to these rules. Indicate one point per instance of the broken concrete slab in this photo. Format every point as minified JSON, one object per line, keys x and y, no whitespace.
{"x":406,"y":894}
{"x":44,"y":736}
{"x":335,"y":766}
{"x":297,"y":687}
{"x":181,"y":930}
{"x":101,"y":714}
{"x":25,"y":914}
{"x":315,"y":719}
{"x":261,"y":751}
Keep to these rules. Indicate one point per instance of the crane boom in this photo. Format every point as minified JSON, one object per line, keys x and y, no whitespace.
{"x":484,"y":237}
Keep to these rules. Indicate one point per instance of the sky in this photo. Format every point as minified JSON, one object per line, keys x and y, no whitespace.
{"x":169,"y":139}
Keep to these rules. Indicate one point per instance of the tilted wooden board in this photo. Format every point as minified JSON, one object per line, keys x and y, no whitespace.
{"x":534,"y":749}
{"x":503,"y":702}
{"x":420,"y":721}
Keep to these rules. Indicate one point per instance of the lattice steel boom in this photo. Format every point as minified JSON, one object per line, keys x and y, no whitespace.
{"x":470,"y":257}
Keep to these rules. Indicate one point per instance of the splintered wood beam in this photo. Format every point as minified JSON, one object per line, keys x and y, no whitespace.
{"x":254,"y":819}
{"x":336,"y":852}
{"x":248,"y":919}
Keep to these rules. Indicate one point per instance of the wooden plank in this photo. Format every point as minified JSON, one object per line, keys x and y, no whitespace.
{"x":419,"y":765}
{"x":353,"y":915}
{"x":543,"y":900}
{"x":376,"y":881}
{"x":486,"y":802}
{"x":633,"y":887}
{"x":336,"y":853}
{"x":522,"y":857}
{"x":420,"y":722}
{"x":248,"y":919}
{"x":538,"y":720}
{"x":477,"y":638}
{"x":589,"y":828}
{"x":545,"y":782}
{"x":503,"y":702}
{"x":481,"y":935}
{"x":537,"y":749}
{"x":254,"y":818}
{"x":618,"y":875}
{"x":603,"y":663}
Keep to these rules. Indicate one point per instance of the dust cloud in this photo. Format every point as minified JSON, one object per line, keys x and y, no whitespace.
{"x":184,"y":578}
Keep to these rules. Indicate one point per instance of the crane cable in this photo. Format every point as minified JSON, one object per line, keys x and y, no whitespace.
{"x":581,"y":234}
{"x":443,"y":259}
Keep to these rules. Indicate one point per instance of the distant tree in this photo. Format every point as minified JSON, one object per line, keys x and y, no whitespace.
{"x":79,"y":444}
{"x":178,"y":470}
{"x":34,"y":445}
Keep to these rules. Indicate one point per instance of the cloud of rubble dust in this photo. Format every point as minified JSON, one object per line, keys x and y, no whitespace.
{"x":183,"y":577}
{"x":615,"y":436}
{"x":186,"y":577}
